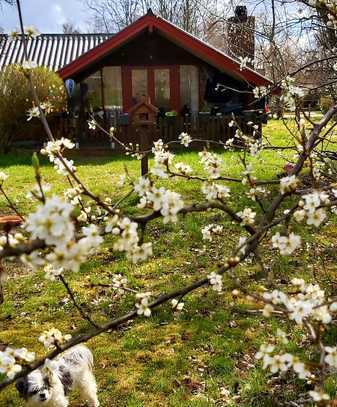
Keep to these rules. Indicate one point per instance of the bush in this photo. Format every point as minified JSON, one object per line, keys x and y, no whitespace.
{"x":325,"y":103}
{"x":16,"y":99}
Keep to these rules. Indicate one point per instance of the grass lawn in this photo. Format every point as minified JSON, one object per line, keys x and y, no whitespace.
{"x":203,"y":356}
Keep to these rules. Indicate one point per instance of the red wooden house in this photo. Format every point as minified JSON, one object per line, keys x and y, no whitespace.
{"x":177,"y":72}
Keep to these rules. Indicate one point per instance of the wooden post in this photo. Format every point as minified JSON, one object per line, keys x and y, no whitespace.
{"x":103,"y":101}
{"x":143,"y":119}
{"x":144,"y":146}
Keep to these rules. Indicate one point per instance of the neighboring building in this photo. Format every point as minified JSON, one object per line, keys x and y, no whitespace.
{"x":53,"y":51}
{"x":152,"y":57}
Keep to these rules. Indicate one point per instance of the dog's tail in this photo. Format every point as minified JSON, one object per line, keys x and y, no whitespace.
{"x":79,"y":355}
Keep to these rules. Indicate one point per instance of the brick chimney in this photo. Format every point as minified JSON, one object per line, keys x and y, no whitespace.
{"x":241,"y":35}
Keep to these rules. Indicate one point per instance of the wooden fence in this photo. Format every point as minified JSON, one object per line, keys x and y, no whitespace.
{"x":200,"y":126}
{"x":204,"y":127}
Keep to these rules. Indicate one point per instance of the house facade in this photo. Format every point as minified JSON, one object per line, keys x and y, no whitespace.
{"x":178,"y":73}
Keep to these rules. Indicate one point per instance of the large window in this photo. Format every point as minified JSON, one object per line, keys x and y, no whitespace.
{"x":162,"y":88}
{"x":139,"y":85}
{"x":189,"y":87}
{"x":94,"y":83}
{"x":112,"y":79}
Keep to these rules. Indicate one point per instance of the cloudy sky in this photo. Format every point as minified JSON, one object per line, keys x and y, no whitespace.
{"x":45,"y":15}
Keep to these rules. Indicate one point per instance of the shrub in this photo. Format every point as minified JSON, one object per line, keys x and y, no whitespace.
{"x":16,"y":98}
{"x":325,"y":103}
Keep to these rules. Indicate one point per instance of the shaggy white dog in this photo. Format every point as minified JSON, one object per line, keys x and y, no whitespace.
{"x":72,"y":370}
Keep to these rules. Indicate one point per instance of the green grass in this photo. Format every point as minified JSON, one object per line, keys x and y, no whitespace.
{"x":171,"y":360}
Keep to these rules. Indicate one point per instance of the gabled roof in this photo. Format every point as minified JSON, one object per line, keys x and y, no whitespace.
{"x":53,"y":51}
{"x":173,"y":33}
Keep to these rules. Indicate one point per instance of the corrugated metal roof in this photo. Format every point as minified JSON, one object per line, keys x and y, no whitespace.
{"x":51,"y":50}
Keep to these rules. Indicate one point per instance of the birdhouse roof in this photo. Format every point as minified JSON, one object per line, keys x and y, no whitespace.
{"x":148,"y":105}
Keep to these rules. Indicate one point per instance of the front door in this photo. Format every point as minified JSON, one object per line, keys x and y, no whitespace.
{"x":159,"y":85}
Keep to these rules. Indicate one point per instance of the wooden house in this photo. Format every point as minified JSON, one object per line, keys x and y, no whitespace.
{"x":194,"y":86}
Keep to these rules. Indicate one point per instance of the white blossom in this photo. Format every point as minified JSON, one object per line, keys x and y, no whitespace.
{"x":52,"y":338}
{"x":215,"y":281}
{"x":300,"y":310}
{"x":142,"y":186}
{"x":260,"y":91}
{"x":92,"y":124}
{"x":3,"y":177}
{"x":319,"y":395}
{"x":280,"y":363}
{"x":176,"y":305}
{"x":52,"y":148}
{"x":33,"y":112}
{"x":29,"y":65}
{"x":140,"y":252}
{"x":242,"y":244}
{"x":51,"y":273}
{"x":291,"y":92}
{"x":264,"y":350}
{"x":268,"y":310}
{"x":288,"y":184}
{"x":331,"y":357}
{"x":214,"y":191}
{"x":299,"y":215}
{"x":8,"y":365}
{"x":282,"y":336}
{"x":210,"y":230}
{"x":63,"y":166}
{"x":119,"y":283}
{"x":31,"y":31}
{"x":183,"y":168}
{"x":52,"y":222}
{"x":256,"y":191}
{"x":143,"y":304}
{"x":92,"y":238}
{"x":244,"y":61}
{"x":317,"y":217}
{"x":300,"y":369}
{"x":286,"y":244}
{"x":212,"y":164}
{"x":247,"y":216}
{"x":185,"y":139}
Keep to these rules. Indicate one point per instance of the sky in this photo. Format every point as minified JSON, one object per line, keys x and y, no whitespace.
{"x":46,"y":15}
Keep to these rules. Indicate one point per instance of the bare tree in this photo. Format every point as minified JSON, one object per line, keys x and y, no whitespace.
{"x":70,"y":28}
{"x":111,"y":15}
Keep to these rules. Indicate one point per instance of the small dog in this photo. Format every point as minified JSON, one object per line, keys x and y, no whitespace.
{"x":72,"y":370}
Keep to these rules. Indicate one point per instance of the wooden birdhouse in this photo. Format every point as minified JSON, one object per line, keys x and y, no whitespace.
{"x":143,"y":113}
{"x":143,"y":118}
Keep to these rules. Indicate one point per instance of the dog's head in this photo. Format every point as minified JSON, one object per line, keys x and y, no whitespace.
{"x":35,"y":388}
